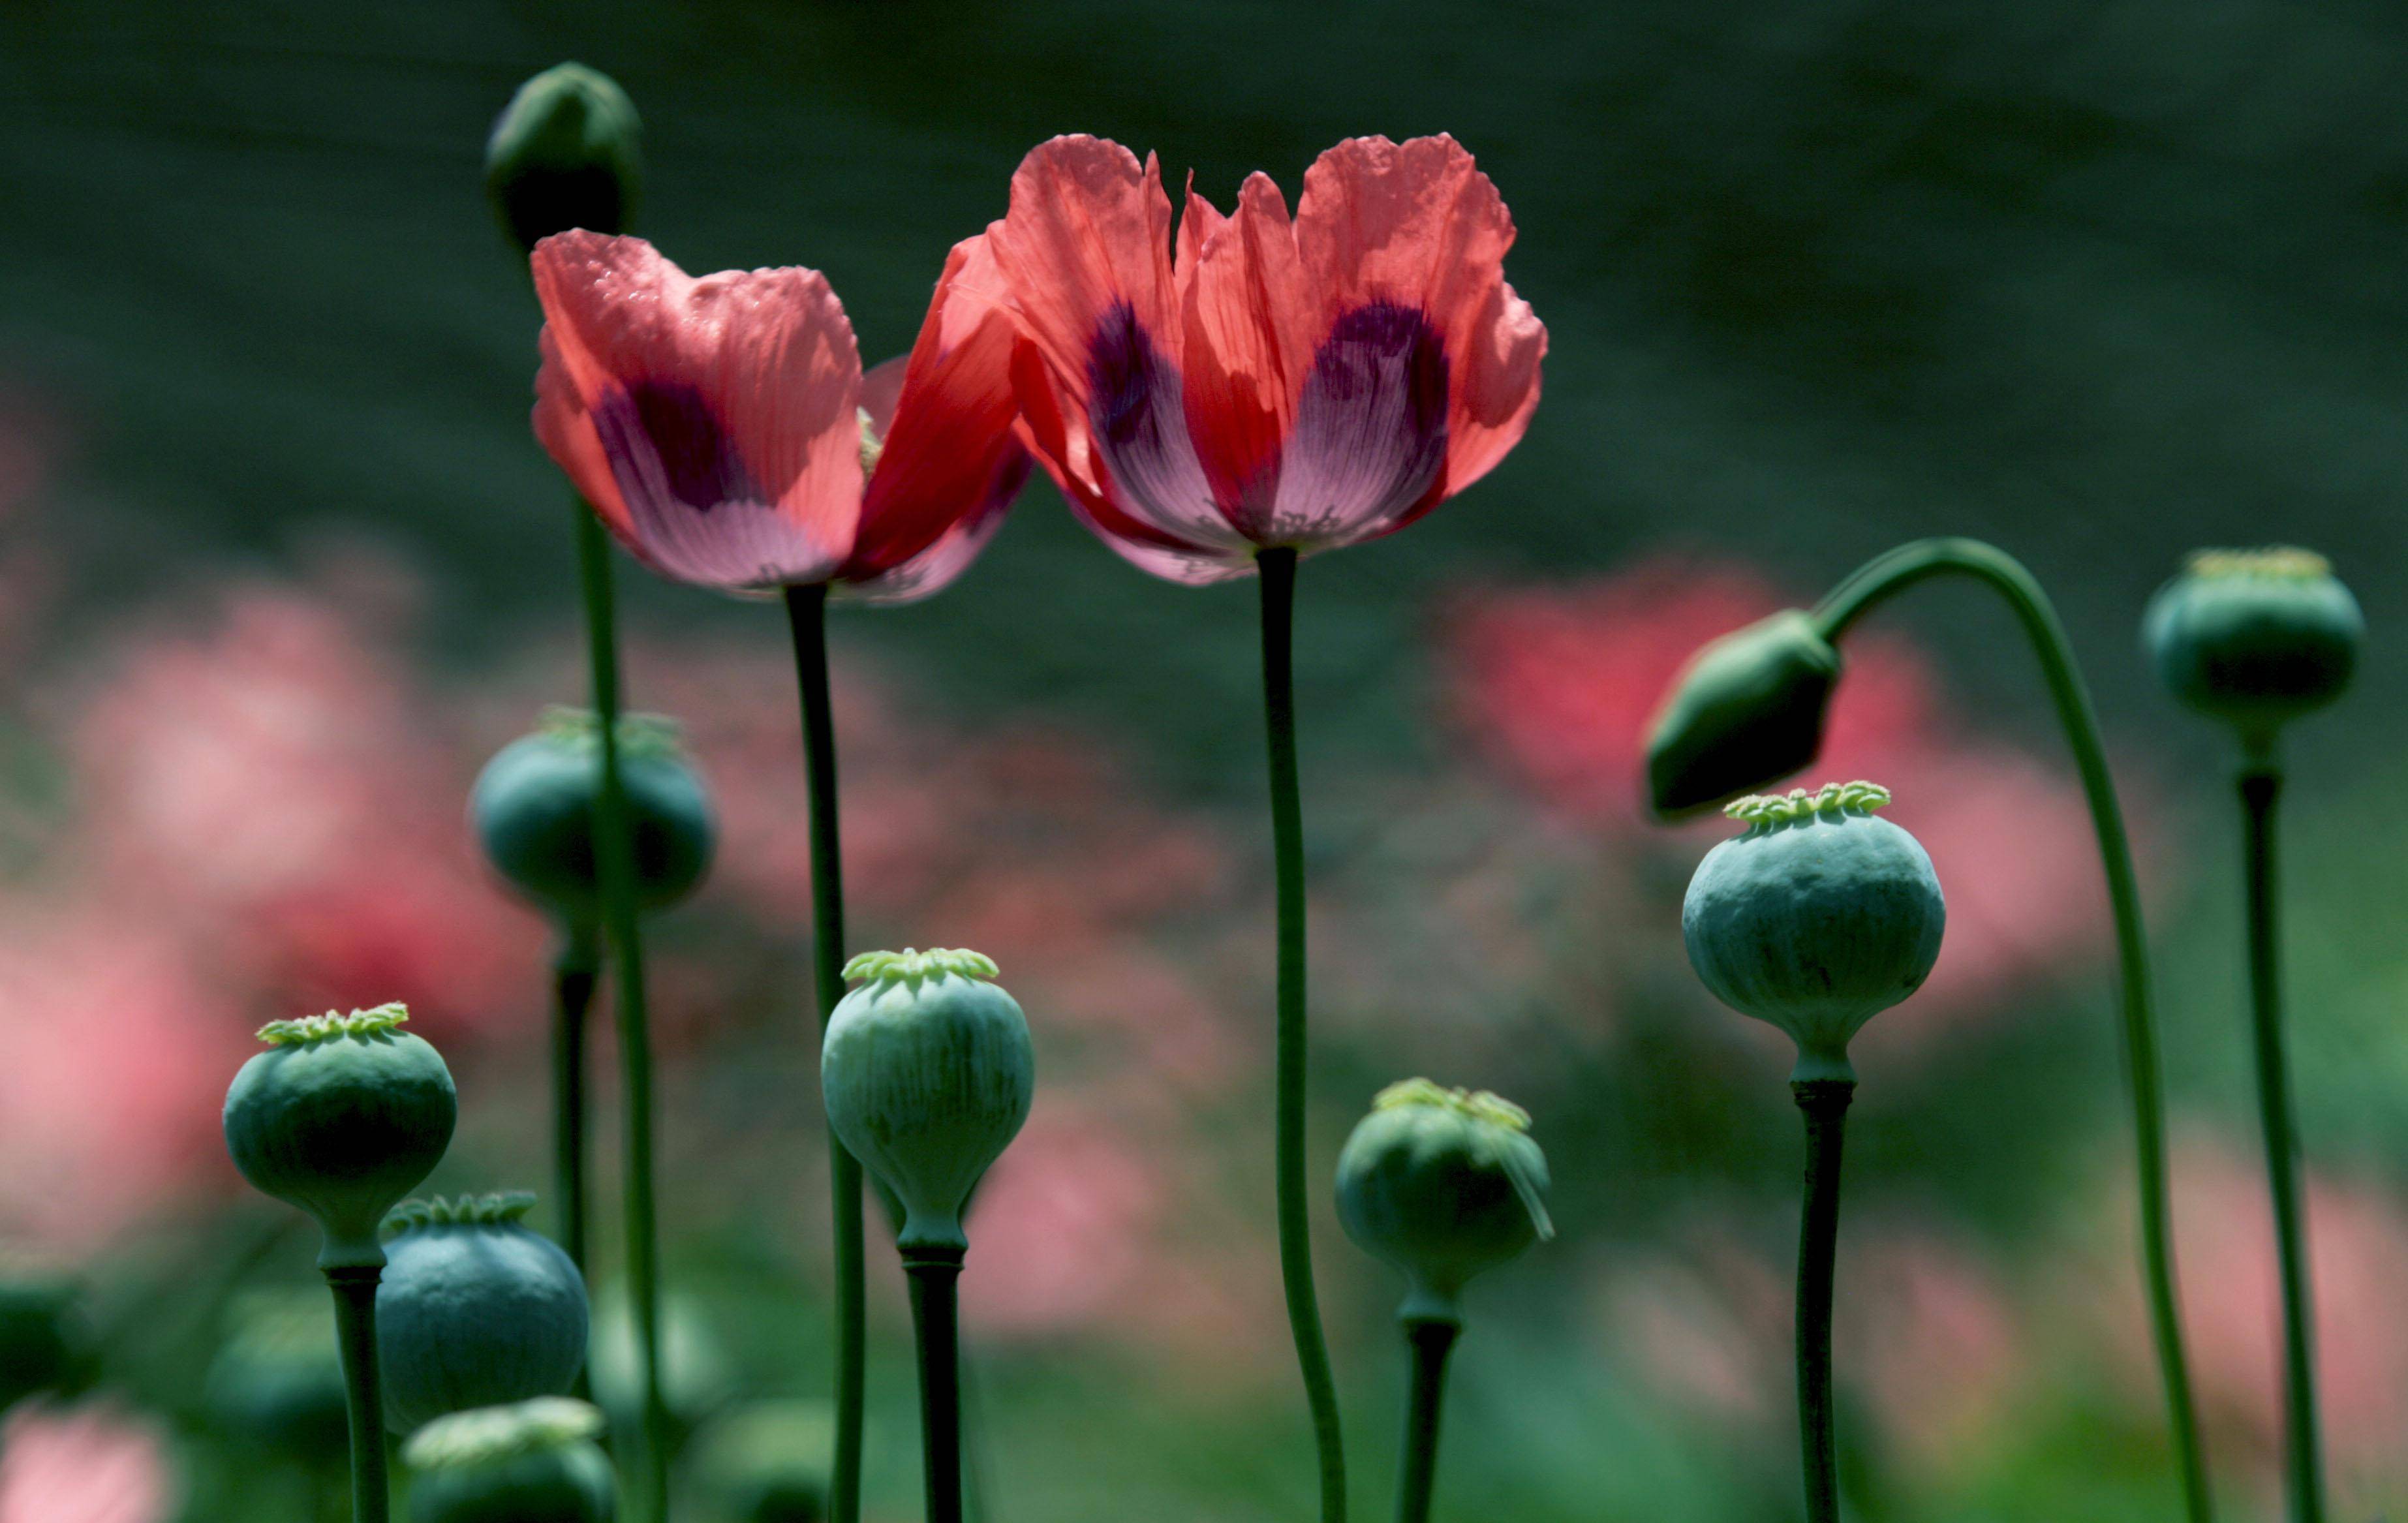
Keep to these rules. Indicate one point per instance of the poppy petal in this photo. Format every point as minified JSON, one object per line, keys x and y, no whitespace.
{"x":1249,"y":325}
{"x":1370,"y":435}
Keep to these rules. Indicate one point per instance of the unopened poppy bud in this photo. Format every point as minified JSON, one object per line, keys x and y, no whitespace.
{"x":927,"y":1073}
{"x":1746,"y":712}
{"x":36,"y":1344}
{"x":532,"y":1462}
{"x":341,"y":1116}
{"x":1818,"y":917}
{"x":276,"y":1380}
{"x":2255,"y":637}
{"x":1443,"y":1184}
{"x":533,"y":809}
{"x":565,"y":153}
{"x":476,"y":1309}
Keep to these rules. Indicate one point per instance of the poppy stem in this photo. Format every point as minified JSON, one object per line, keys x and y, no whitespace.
{"x":935,"y":1277}
{"x":1431,"y":1340}
{"x":614,"y":857}
{"x":1875,"y":583}
{"x":2261,"y":787}
{"x":575,"y":966}
{"x":356,"y":1291}
{"x":1825,"y":1104}
{"x":807,"y":616}
{"x":1276,"y":568}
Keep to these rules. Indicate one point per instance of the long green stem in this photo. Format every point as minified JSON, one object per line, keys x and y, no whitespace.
{"x":1432,"y":1339}
{"x":2261,"y":786}
{"x":1278,"y":572}
{"x":806,"y":615}
{"x":1884,"y":577}
{"x":934,"y":1277}
{"x":355,"y":1292}
{"x":614,"y":857}
{"x":1825,"y":1104}
{"x":575,"y":966}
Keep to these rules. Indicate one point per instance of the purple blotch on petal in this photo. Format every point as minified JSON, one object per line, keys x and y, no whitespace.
{"x":699,"y":514}
{"x":1370,"y":430}
{"x":1138,"y":419}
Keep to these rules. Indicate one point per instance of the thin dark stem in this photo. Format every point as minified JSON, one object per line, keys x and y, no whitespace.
{"x":614,"y":857}
{"x":355,"y":1293}
{"x":934,"y":1277}
{"x":1417,"y":1465}
{"x":2261,"y":787}
{"x":806,"y":615}
{"x":1885,"y":577}
{"x":574,"y":971}
{"x":1278,"y":572}
{"x":1825,"y":1104}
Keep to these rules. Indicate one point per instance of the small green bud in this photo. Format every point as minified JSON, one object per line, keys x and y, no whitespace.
{"x":341,"y":1116}
{"x":2254,"y":638}
{"x":1746,"y":712}
{"x":37,"y":1344}
{"x":533,"y":1461}
{"x":1817,"y":918}
{"x":769,"y":1461}
{"x":533,"y":809}
{"x":565,"y":153}
{"x":276,"y":1380}
{"x":1443,"y":1184}
{"x":475,"y":1310}
{"x":927,"y":1073}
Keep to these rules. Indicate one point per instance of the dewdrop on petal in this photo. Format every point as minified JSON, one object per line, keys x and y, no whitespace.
{"x":2255,"y":637}
{"x":1747,"y":711}
{"x":1443,"y":1184}
{"x":476,"y":1309}
{"x":533,"y":1461}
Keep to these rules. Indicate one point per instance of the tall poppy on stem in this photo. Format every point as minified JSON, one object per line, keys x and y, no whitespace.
{"x":1267,"y":388}
{"x":723,"y":429}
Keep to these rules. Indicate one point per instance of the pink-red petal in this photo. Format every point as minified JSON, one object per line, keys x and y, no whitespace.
{"x":1249,"y":324}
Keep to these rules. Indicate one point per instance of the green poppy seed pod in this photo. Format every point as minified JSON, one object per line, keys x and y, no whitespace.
{"x":533,"y":1461}
{"x":1443,"y":1184}
{"x":476,"y":1309}
{"x":2254,"y":638}
{"x":36,"y":1346}
{"x":1746,"y":712}
{"x":534,"y":807}
{"x":565,"y":153}
{"x":927,"y":1075}
{"x":1819,"y":916}
{"x":276,"y":1380}
{"x":341,"y":1116}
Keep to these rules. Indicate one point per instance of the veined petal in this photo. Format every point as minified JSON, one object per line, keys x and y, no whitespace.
{"x":1249,"y":344}
{"x":1370,"y":435}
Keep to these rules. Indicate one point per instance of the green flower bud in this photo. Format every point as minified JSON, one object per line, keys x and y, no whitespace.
{"x":767,"y":1461}
{"x":533,"y":809}
{"x":2254,"y":638}
{"x":277,"y":1380}
{"x":37,"y":1345}
{"x":532,"y":1463}
{"x":341,"y":1116}
{"x":565,"y":153}
{"x":1817,"y":918}
{"x":1443,"y":1184}
{"x":927,"y":1075}
{"x":475,"y":1310}
{"x":1746,"y":712}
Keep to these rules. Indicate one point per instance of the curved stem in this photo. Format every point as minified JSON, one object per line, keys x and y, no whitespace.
{"x":2261,"y":786}
{"x":935,"y":1275}
{"x":1825,"y":1104}
{"x":1884,"y":577}
{"x":355,"y":1292}
{"x":614,"y":857}
{"x":575,"y":964}
{"x":806,"y":618}
{"x":1278,"y":570}
{"x":1431,"y":1340}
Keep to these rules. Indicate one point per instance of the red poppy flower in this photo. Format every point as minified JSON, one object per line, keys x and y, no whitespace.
{"x":1308,"y":383}
{"x":724,"y":429}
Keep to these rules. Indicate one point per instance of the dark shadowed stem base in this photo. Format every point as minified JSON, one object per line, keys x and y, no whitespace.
{"x":356,"y":1291}
{"x":1431,"y":1340}
{"x":574,"y":971}
{"x":2261,"y":787}
{"x":1825,"y":1104}
{"x":935,"y":1275}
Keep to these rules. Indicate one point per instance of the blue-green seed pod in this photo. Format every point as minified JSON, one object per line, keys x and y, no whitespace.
{"x":533,"y":1461}
{"x":927,"y":1075}
{"x":568,"y":151}
{"x":476,"y":1309}
{"x":1818,"y":917}
{"x":37,"y":1344}
{"x":767,"y":1461}
{"x":1443,"y":1184}
{"x":341,"y":1116}
{"x":2254,"y":638}
{"x":1745,"y":712}
{"x":276,"y":1380}
{"x":534,"y":806}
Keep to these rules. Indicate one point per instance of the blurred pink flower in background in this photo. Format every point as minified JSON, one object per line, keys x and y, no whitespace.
{"x":1935,"y":1343}
{"x":1065,"y":1223}
{"x":82,"y":1465}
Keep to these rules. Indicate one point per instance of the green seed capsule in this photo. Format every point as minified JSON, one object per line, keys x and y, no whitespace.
{"x":534,"y":808}
{"x":531,"y":1462}
{"x":37,"y":1344}
{"x":475,"y":1310}
{"x":1746,"y":712}
{"x":341,"y":1116}
{"x":2254,"y":638}
{"x":1443,"y":1184}
{"x":927,"y":1075}
{"x":277,"y":1380}
{"x":1816,"y":919}
{"x":565,"y":153}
